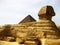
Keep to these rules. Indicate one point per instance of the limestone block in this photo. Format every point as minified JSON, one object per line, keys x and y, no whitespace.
{"x":19,"y":40}
{"x":52,"y":42}
{"x":8,"y":43}
{"x":9,"y":39}
{"x":30,"y":43}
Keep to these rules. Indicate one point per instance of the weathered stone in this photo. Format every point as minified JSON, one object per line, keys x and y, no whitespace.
{"x":47,"y":25}
{"x":51,"y":41}
{"x":30,"y":43}
{"x":35,"y":33}
{"x":46,"y":12}
{"x":8,"y":43}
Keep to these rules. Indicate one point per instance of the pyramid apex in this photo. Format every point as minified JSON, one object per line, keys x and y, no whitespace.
{"x":28,"y":18}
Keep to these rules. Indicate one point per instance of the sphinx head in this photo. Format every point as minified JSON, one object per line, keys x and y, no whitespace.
{"x":46,"y":12}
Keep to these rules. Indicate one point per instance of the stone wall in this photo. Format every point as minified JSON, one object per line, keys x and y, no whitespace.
{"x":51,"y":42}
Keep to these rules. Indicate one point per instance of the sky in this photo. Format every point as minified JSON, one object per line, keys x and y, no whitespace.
{"x":13,"y":11}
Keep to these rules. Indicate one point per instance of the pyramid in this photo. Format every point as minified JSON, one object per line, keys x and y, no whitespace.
{"x":28,"y":19}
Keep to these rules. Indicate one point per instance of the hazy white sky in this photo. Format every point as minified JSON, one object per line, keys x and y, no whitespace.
{"x":13,"y":11}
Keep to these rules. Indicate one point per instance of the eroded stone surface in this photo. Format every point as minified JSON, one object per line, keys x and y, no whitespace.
{"x":46,"y":12}
{"x":45,"y":28}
